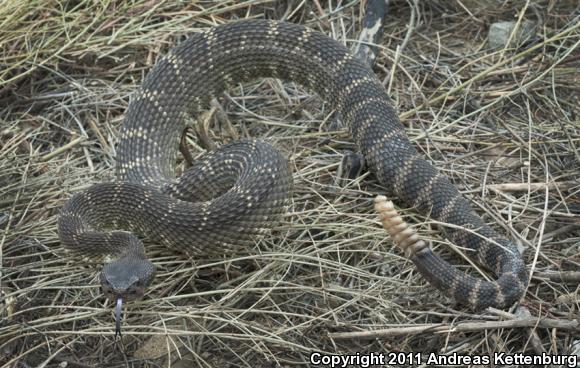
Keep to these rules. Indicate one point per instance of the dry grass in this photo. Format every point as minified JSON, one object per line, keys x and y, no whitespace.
{"x":491,"y":120}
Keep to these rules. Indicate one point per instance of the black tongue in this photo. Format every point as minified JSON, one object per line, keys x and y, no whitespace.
{"x":118,"y":317}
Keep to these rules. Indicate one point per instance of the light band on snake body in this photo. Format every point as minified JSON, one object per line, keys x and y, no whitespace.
{"x":233,"y":194}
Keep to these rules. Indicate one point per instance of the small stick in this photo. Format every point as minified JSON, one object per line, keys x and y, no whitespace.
{"x":533,"y":338}
{"x":521,"y":187}
{"x":461,"y":327}
{"x":189,"y":160}
{"x":572,"y":277}
{"x":62,"y":149}
{"x":99,"y":134}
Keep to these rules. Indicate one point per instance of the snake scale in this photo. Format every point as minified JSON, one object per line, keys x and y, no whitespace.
{"x":235,"y":193}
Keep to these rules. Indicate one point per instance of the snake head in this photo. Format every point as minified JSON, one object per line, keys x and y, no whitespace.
{"x":127,"y":278}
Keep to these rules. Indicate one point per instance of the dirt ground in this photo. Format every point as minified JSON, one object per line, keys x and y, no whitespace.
{"x":502,"y":123}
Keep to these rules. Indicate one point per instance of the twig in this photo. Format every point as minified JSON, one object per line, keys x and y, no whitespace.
{"x":439,"y":328}
{"x":524,"y":187}
{"x":564,"y":276}
{"x":62,"y":149}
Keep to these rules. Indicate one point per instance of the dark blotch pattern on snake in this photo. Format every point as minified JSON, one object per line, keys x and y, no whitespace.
{"x":238,"y":191}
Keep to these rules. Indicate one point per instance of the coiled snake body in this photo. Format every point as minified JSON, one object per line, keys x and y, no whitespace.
{"x":236,"y":192}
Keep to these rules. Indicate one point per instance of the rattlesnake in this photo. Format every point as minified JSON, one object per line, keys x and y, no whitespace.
{"x":235,"y":193}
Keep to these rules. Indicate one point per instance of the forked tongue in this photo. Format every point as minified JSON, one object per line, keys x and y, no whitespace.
{"x":118,"y":317}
